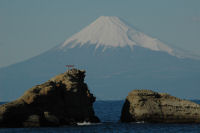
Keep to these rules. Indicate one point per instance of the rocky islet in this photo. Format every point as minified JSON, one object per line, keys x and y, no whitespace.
{"x":63,"y":100}
{"x":150,"y":106}
{"x":66,"y":100}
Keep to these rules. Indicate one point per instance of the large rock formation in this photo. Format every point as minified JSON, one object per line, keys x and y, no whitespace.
{"x":63,"y":100}
{"x":150,"y":106}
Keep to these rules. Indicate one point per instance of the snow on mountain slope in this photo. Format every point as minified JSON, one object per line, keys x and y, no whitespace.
{"x":112,"y":32}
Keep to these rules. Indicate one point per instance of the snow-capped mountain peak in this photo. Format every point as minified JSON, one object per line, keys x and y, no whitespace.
{"x":110,"y":31}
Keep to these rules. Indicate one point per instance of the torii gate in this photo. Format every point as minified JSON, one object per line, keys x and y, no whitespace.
{"x":69,"y":66}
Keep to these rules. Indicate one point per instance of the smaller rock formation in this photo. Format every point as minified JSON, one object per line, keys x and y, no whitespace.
{"x":63,"y":100}
{"x":150,"y":106}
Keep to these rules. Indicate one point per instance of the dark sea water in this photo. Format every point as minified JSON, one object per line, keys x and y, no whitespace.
{"x":109,"y":113}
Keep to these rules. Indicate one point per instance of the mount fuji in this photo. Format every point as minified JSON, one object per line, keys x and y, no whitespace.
{"x":117,"y":59}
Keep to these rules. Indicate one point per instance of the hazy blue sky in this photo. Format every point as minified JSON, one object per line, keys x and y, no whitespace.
{"x":30,"y":27}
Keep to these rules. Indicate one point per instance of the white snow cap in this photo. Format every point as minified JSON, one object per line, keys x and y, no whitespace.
{"x":110,"y":31}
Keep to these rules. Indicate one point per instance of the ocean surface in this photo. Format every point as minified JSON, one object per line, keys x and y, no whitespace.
{"x":109,"y":113}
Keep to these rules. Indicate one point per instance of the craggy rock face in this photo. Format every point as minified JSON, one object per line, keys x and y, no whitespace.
{"x":149,"y":106}
{"x":63,"y":100}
